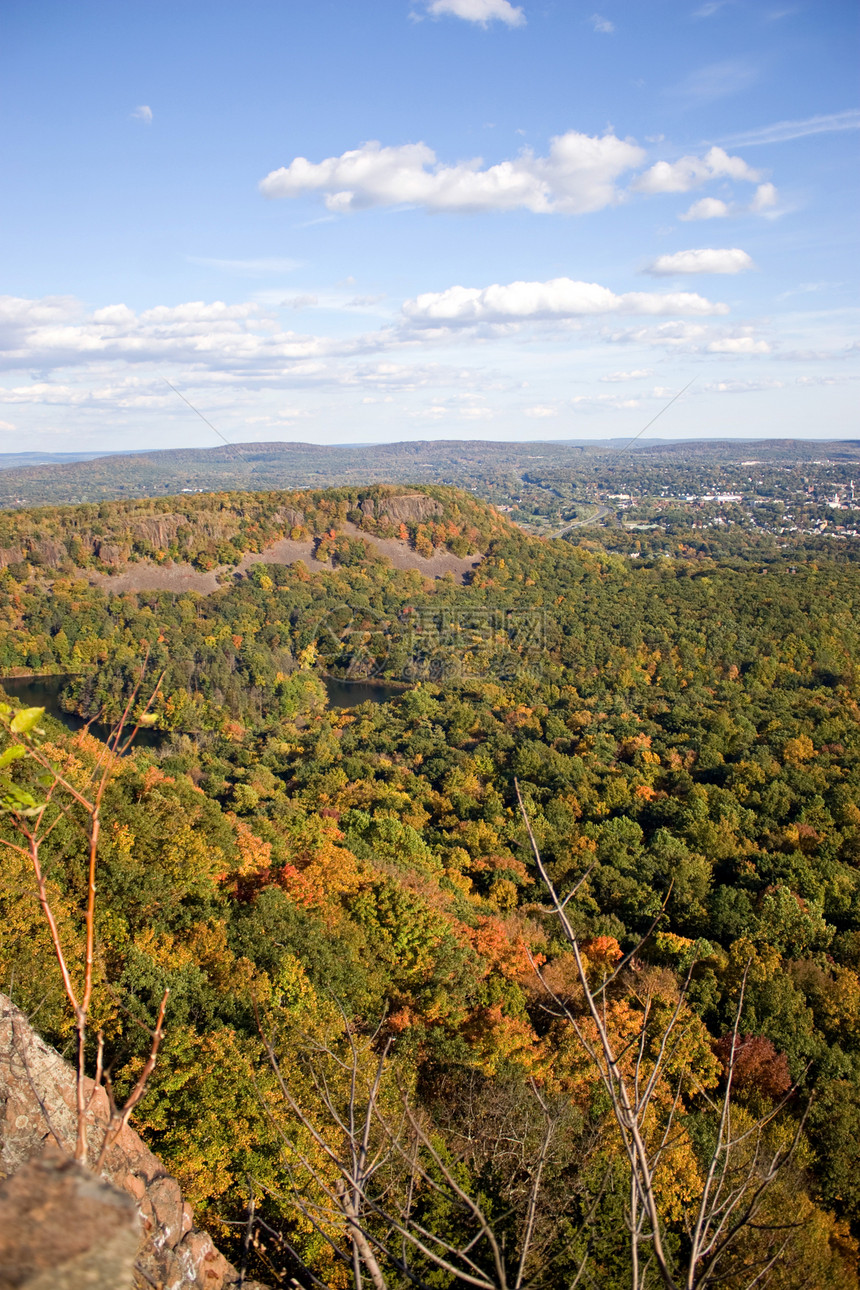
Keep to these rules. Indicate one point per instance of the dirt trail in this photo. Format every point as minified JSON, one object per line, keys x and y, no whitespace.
{"x":144,"y":576}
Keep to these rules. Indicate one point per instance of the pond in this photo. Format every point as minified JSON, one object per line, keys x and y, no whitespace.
{"x":44,"y":692}
{"x":349,"y":694}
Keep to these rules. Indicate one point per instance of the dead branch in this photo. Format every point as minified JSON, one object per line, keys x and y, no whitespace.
{"x":737,"y":1178}
{"x":34,"y":822}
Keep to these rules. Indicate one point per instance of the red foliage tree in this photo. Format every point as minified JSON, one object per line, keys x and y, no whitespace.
{"x":757,"y":1064}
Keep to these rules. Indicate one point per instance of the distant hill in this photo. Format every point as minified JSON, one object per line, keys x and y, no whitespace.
{"x":23,"y":460}
{"x":253,"y":467}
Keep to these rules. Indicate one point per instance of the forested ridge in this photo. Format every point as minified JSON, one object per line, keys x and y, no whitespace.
{"x":211,"y":530}
{"x":684,"y":734}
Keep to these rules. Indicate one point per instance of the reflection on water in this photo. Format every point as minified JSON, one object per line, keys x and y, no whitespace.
{"x":44,"y":692}
{"x":349,"y":694}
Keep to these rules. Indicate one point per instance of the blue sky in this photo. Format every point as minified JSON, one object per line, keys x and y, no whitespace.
{"x":368,"y":220}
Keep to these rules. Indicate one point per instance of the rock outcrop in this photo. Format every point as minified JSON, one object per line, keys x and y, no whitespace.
{"x":37,"y":1113}
{"x":61,"y":1228}
{"x":50,"y":554}
{"x":410,"y":508}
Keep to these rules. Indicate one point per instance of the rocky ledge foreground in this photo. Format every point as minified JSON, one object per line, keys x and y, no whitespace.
{"x":60,"y":1227}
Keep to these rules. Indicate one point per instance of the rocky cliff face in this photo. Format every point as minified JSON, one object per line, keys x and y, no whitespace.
{"x":37,"y":1115}
{"x":411,"y":508}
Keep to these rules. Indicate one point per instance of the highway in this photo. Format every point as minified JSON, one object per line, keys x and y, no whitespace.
{"x":600,"y":514}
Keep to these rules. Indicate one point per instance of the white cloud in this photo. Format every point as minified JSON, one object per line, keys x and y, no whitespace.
{"x":130,"y":393}
{"x":637,"y":375}
{"x":743,"y":387}
{"x":706,"y":208}
{"x":19,"y":312}
{"x":540,"y":411}
{"x":703,"y":260}
{"x":693,"y":338}
{"x":691,"y":172}
{"x":823,"y":380}
{"x":6,"y":425}
{"x":143,"y":113}
{"x":738,"y":345}
{"x":541,"y":301}
{"x":763,"y":203}
{"x":284,"y":416}
{"x":435,"y":413}
{"x":601,"y":24}
{"x":480,"y":11}
{"x":325,"y":299}
{"x":765,"y":199}
{"x":596,"y":402}
{"x":670,"y":334}
{"x":785,"y":131}
{"x":579,"y":174}
{"x":708,"y":10}
{"x":56,"y":332}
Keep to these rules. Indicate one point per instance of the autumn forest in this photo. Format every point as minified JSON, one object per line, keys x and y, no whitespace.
{"x":539,"y":968}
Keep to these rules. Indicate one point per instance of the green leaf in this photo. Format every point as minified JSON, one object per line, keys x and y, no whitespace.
{"x":26,"y":720}
{"x":12,"y":754}
{"x":18,"y":800}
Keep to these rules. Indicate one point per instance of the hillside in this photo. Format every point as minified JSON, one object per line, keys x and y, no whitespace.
{"x":212,"y":533}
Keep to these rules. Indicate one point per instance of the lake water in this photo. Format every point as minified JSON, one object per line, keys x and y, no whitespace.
{"x":44,"y":692}
{"x":349,"y":694}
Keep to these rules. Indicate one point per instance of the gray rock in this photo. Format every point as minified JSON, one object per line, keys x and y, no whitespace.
{"x":411,"y":508}
{"x":61,"y":1228}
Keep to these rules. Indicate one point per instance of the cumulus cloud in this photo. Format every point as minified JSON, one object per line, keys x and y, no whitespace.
{"x":706,"y":208}
{"x":763,"y":203}
{"x":579,"y":174}
{"x":540,"y":411}
{"x":765,"y":199}
{"x":129,"y":394}
{"x":56,"y":332}
{"x":691,"y":172}
{"x":704,"y":260}
{"x":601,"y":24}
{"x":480,"y":11}
{"x":557,"y":299}
{"x":637,"y":375}
{"x":785,"y":131}
{"x":143,"y":113}
{"x":692,"y":338}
